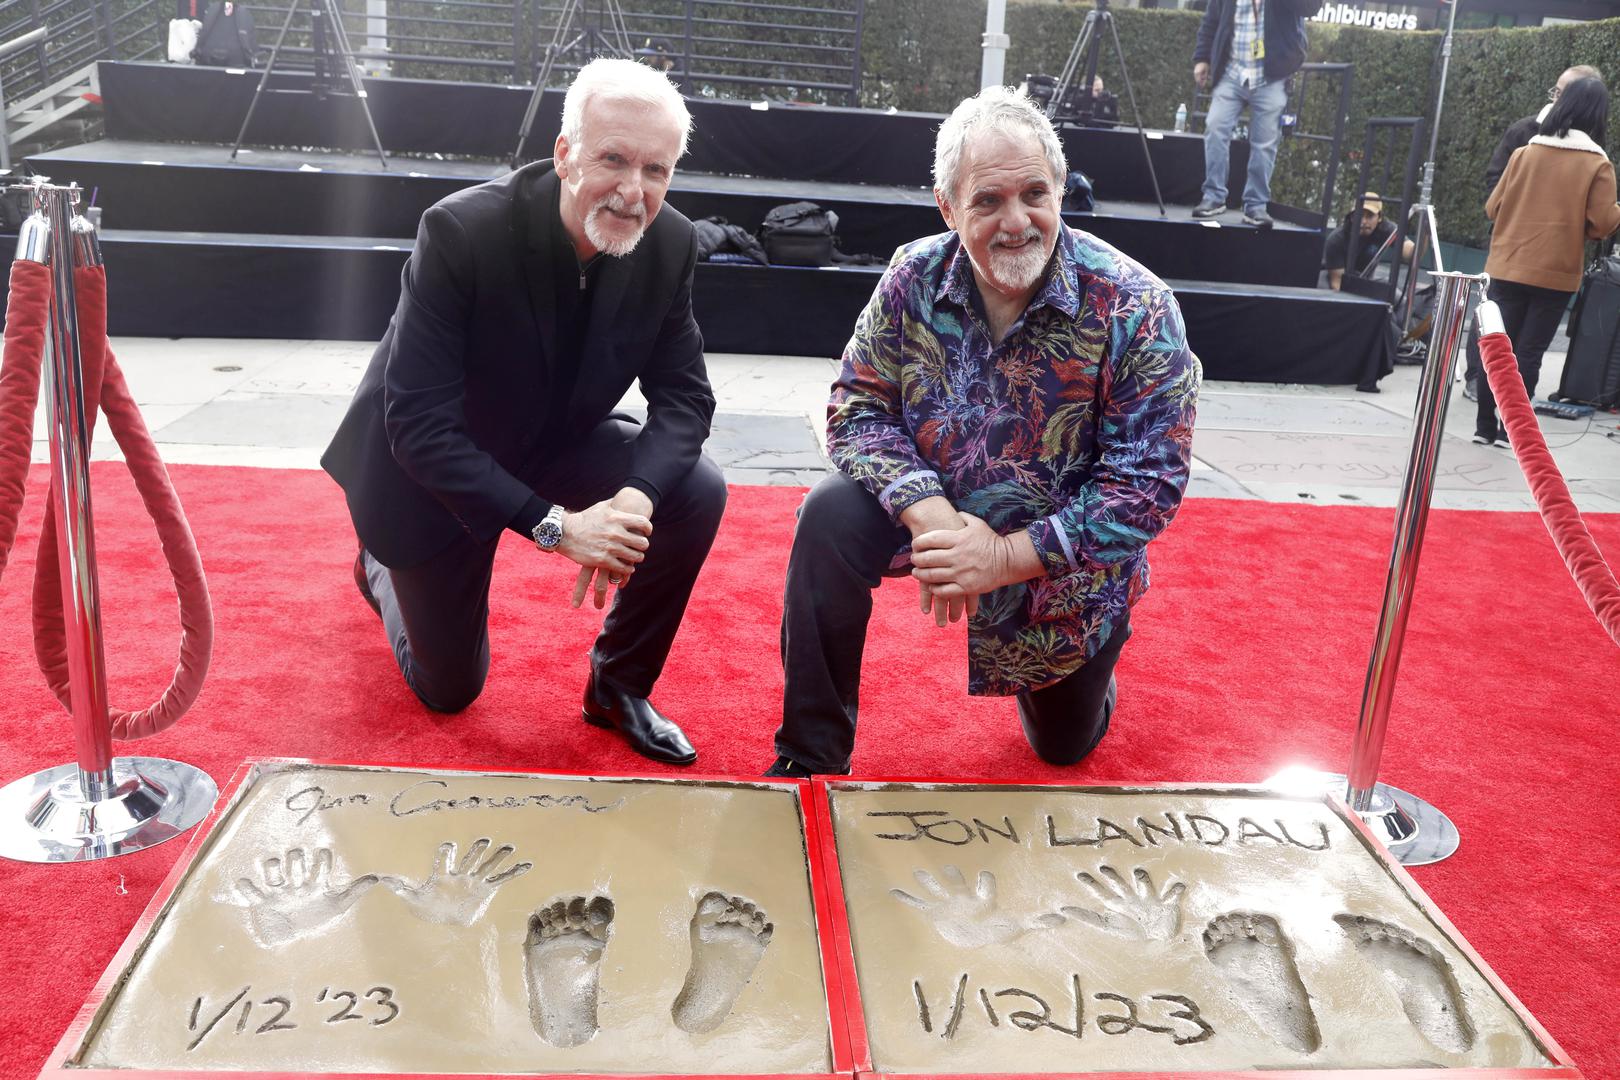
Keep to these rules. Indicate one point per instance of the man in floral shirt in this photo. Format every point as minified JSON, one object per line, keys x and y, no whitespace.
{"x":1013,"y":422}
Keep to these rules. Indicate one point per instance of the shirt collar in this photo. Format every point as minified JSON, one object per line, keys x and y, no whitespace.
{"x":1061,"y":289}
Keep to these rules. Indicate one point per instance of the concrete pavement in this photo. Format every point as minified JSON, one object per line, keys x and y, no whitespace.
{"x":275,"y":403}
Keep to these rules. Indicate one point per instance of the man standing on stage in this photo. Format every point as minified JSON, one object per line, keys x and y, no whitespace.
{"x":528,"y":307}
{"x":1251,"y":47}
{"x":1013,"y":423}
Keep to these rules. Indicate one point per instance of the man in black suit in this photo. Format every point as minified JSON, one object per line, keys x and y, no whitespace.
{"x":528,"y":307}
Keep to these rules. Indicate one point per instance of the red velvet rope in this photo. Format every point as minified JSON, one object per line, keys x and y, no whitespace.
{"x":1580,"y":552}
{"x":105,"y":389}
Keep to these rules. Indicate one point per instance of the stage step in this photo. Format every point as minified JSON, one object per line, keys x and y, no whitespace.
{"x":170,"y":186}
{"x":194,"y":284}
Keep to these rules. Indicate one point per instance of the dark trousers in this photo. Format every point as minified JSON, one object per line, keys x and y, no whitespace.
{"x":436,"y":613}
{"x":1530,"y":315}
{"x":842,"y":548}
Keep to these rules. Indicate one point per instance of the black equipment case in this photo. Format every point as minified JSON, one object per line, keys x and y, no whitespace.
{"x":1592,"y":367}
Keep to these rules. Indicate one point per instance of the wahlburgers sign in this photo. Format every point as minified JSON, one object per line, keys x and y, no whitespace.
{"x":1351,"y":15}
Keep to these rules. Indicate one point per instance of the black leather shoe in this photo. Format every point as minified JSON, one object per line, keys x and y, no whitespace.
{"x":649,"y":732}
{"x":364,"y":585}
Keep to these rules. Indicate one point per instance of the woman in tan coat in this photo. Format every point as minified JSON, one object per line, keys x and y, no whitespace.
{"x":1557,"y":193}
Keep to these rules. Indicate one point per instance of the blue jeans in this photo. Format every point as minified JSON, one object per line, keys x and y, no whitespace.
{"x":1265,"y":111}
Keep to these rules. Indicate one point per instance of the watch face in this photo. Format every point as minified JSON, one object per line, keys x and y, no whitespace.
{"x":548,"y":534}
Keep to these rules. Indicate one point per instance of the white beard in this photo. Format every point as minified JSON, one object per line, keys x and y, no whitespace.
{"x":615,"y":244}
{"x":1018,"y":270}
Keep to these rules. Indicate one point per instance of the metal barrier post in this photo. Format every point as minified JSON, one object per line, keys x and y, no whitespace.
{"x":101,"y":806}
{"x":1416,"y":832}
{"x":62,"y":377}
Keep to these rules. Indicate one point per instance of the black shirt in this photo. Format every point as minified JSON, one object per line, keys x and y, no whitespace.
{"x":1367,"y":247}
{"x":572,"y":285}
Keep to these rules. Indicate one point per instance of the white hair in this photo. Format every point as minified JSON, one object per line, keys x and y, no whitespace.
{"x":610,"y":78}
{"x":995,"y":108}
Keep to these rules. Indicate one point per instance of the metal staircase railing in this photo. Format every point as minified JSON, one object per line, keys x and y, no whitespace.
{"x":49,"y":50}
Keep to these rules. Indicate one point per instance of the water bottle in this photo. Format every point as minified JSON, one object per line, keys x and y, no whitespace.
{"x":1181,"y":117}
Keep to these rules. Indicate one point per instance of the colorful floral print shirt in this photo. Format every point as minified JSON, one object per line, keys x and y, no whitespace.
{"x":1077,"y":428}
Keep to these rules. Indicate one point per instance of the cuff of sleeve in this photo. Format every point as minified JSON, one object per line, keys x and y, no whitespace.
{"x":913,"y":487}
{"x":646,"y":487}
{"x":1053,"y":546}
{"x":528,"y":516}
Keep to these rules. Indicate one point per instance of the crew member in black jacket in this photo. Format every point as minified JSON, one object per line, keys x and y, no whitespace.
{"x":528,"y":307}
{"x":1522,"y":130}
{"x":1248,"y":48}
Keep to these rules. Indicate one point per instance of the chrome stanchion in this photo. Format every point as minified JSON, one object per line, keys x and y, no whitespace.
{"x":1415,"y":831}
{"x":101,"y":806}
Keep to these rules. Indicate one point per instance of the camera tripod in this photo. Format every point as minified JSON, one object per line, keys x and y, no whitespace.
{"x":586,"y":42}
{"x":1083,"y":60}
{"x":330,"y":43}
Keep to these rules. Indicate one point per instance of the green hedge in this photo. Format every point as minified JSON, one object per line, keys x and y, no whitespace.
{"x":924,"y":55}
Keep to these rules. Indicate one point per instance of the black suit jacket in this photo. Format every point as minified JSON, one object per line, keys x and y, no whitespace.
{"x":447,"y":417}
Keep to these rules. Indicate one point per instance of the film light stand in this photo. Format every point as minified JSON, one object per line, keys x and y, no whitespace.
{"x":587,"y":41}
{"x":1426,"y":232}
{"x":1083,"y":61}
{"x":329,"y":41}
{"x":101,"y":806}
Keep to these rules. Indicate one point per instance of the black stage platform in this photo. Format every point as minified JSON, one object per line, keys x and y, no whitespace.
{"x":178,"y":284}
{"x":158,"y":186}
{"x":173,"y":103}
{"x":309,"y":244}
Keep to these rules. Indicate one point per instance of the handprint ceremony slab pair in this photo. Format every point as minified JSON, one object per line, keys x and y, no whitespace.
{"x":341,"y":920}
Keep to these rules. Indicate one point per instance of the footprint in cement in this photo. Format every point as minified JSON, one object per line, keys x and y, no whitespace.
{"x":561,"y":956}
{"x":1420,"y":977}
{"x":729,"y":935}
{"x":1257,"y":960}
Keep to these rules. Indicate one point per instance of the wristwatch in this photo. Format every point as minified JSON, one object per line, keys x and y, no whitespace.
{"x":549,"y":533}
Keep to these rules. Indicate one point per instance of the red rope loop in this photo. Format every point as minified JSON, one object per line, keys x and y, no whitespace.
{"x":1569,"y":533}
{"x":104,"y":388}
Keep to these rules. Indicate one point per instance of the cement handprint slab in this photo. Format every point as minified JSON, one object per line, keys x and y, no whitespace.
{"x":1200,"y":930}
{"x":403,"y":921}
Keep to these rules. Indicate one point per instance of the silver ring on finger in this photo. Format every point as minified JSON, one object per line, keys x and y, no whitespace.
{"x":614,"y":579}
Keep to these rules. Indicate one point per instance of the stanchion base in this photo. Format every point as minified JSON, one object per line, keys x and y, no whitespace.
{"x":1416,"y":833}
{"x":46,"y":818}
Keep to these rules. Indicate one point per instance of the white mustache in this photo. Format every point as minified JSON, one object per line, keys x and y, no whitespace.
{"x":1005,"y":239}
{"x":615,"y":202}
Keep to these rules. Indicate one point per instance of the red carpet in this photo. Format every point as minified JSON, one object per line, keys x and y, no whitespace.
{"x":1249,"y":654}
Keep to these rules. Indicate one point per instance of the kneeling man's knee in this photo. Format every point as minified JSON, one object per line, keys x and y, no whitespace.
{"x":451,"y":693}
{"x":707,"y":485}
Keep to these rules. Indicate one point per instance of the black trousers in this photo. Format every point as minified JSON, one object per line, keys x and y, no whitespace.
{"x":436,"y":613}
{"x":1530,"y":315}
{"x":842,"y":548}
